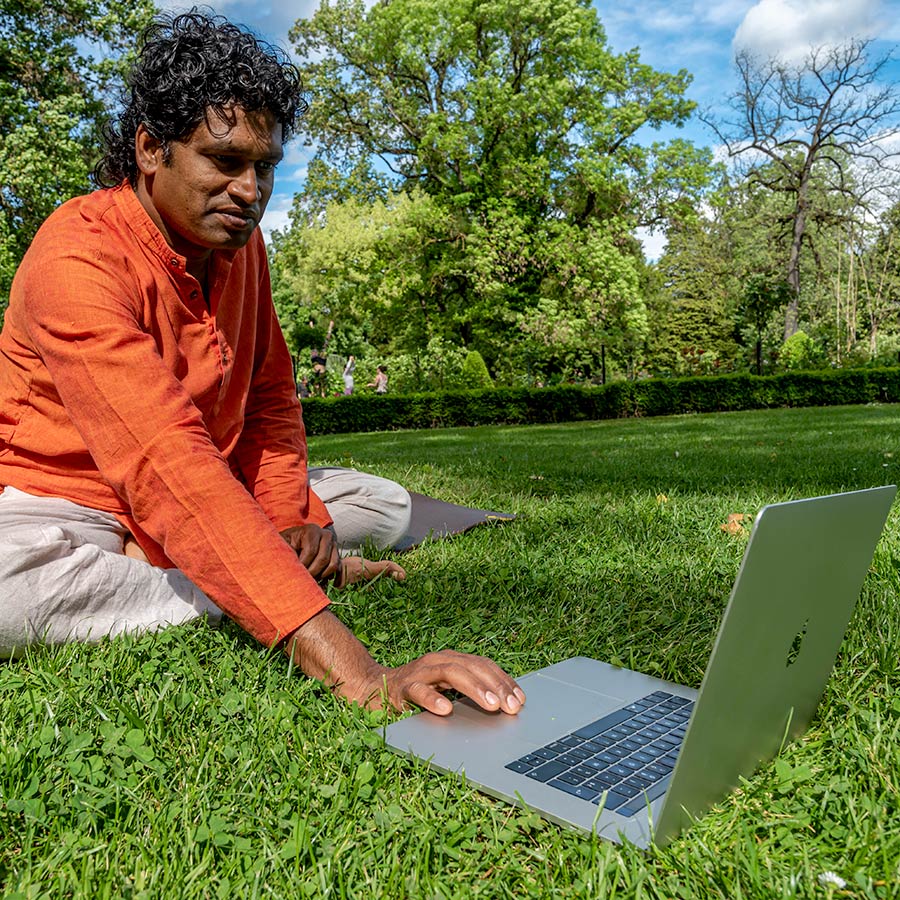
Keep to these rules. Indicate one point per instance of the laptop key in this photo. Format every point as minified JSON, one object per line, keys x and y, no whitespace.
{"x":545,"y":753}
{"x":602,"y":781}
{"x":595,"y":728}
{"x":637,"y":782}
{"x":642,"y":757}
{"x":570,"y":760}
{"x":618,"y":732}
{"x":547,"y":771}
{"x":641,"y":800}
{"x":607,"y":758}
{"x":571,"y":778}
{"x":611,"y":800}
{"x":576,"y":790}
{"x":518,"y":765}
{"x":626,"y":789}
{"x":579,"y":753}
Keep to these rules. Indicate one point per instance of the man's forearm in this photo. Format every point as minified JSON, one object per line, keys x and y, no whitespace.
{"x":324,"y":648}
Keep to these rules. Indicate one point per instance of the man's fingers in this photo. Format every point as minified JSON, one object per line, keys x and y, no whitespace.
{"x":357,"y":569}
{"x":426,"y":697}
{"x":316,"y":548}
{"x":421,"y":681}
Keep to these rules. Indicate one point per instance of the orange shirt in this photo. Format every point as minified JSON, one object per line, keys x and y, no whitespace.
{"x":121,"y":391}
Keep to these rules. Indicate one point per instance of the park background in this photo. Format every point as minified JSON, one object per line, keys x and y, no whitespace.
{"x":537,"y":193}
{"x":193,"y":763}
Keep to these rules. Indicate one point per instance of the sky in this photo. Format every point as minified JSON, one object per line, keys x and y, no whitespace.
{"x":698,"y":35}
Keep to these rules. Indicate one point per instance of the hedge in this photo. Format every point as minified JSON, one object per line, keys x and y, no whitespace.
{"x":570,"y":403}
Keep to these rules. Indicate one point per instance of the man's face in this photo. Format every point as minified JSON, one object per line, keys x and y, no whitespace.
{"x":210,"y":191}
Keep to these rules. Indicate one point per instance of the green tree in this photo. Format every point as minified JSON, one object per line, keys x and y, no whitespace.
{"x":58,"y":64}
{"x":512,"y":129}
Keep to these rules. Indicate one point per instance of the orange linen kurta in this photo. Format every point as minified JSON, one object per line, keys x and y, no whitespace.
{"x":121,"y":391}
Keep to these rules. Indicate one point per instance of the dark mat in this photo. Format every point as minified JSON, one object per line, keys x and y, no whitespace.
{"x":436,"y":519}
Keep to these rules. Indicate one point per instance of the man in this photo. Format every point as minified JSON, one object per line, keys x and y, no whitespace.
{"x":152,"y":450}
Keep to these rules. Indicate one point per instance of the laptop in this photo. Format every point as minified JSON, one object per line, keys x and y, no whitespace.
{"x":636,"y":758}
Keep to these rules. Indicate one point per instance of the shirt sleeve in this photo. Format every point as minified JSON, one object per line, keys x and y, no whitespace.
{"x":271,"y":453}
{"x":150,"y":443}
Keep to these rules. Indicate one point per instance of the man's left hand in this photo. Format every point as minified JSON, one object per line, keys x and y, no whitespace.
{"x":317,"y":550}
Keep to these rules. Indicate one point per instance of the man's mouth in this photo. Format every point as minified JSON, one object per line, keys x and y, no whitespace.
{"x":237,"y":218}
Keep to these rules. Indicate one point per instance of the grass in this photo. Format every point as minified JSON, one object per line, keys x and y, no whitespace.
{"x":192,"y":763}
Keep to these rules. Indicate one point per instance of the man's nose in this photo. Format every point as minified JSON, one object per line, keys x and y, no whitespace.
{"x":246,"y":186}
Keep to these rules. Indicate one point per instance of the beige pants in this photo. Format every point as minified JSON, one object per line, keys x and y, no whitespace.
{"x":64,"y":576}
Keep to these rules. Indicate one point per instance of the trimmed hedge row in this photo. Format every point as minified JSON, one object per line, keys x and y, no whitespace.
{"x":569,"y":403}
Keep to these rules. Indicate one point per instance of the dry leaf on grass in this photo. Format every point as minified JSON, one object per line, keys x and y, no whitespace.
{"x":734,"y":523}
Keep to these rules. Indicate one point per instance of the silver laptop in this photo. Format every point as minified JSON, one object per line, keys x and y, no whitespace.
{"x":636,"y":758}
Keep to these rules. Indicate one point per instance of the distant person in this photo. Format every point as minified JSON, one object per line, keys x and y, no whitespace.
{"x":319,"y":359}
{"x":319,"y":362}
{"x":381,"y":381}
{"x":348,"y":375}
{"x":303,"y":388}
{"x":153,"y":459}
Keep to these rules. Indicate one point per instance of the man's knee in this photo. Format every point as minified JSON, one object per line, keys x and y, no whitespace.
{"x":366,"y":509}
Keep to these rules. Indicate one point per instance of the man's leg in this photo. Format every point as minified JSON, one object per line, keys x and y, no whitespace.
{"x":367,"y":510}
{"x":64,"y":577}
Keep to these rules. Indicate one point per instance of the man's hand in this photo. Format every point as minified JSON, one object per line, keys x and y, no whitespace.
{"x":326,"y":649}
{"x":317,"y":550}
{"x":355,"y":569}
{"x":421,"y":681}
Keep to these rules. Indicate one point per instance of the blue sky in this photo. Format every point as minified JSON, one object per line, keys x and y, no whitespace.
{"x":698,"y":35}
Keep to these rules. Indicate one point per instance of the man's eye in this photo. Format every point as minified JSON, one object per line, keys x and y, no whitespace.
{"x":265,"y":168}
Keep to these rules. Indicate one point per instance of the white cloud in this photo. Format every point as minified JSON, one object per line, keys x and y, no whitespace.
{"x":789,"y":28}
{"x":276,"y":216}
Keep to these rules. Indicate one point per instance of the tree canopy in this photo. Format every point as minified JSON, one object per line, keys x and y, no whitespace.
{"x":501,"y":141}
{"x":58,"y":63}
{"x":825,"y":118}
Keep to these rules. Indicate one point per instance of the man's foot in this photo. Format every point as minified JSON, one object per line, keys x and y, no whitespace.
{"x":355,"y":569}
{"x":133,"y":549}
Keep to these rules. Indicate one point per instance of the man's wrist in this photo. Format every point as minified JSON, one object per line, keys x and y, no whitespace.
{"x":325,"y":649}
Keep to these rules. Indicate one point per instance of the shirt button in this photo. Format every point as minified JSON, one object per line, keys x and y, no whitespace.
{"x":174,"y":262}
{"x":193,"y":295}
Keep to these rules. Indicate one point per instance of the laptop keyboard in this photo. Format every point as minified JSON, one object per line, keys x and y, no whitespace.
{"x":623,"y":760}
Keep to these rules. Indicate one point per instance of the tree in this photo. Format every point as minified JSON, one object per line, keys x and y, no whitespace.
{"x":513,"y":126}
{"x":824,"y":118}
{"x":58,"y":62}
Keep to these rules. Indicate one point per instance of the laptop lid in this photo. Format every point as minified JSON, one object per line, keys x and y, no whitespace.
{"x":791,"y":603}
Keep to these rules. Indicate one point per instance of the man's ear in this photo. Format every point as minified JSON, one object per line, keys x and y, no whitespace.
{"x":149,"y":152}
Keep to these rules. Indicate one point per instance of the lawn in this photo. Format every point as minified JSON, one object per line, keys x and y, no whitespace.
{"x":194,"y":763}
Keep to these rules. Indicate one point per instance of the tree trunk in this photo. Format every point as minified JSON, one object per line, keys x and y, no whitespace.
{"x":792,"y":313}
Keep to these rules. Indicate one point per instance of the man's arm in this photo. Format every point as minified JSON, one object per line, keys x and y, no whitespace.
{"x":324,"y":648}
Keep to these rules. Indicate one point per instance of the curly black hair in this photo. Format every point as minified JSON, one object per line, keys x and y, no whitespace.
{"x":192,"y":65}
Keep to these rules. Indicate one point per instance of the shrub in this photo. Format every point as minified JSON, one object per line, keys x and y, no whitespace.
{"x":566,"y":403}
